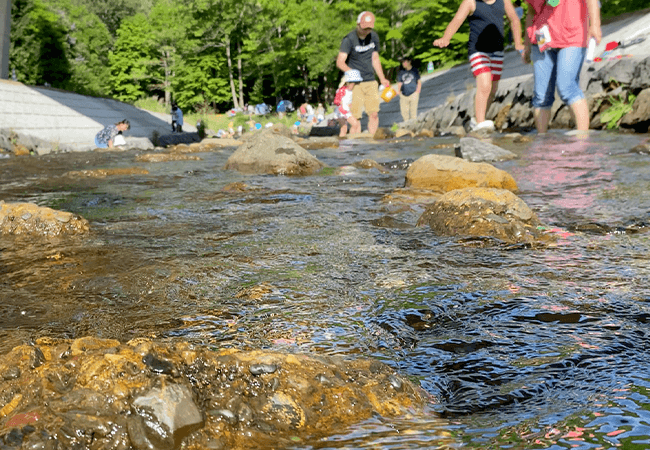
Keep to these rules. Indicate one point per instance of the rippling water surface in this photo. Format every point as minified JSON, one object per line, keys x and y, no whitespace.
{"x":517,"y":347}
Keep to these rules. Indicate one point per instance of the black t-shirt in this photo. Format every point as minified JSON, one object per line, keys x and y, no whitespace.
{"x":360,"y":53}
{"x":486,"y":27}
{"x":409,"y":80}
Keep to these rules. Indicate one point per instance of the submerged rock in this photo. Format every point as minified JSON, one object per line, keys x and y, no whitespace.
{"x":103,"y":173}
{"x":476,"y":150}
{"x":166,"y":157}
{"x":480,"y":212}
{"x":101,"y":394}
{"x":317,"y":143}
{"x":30,"y":219}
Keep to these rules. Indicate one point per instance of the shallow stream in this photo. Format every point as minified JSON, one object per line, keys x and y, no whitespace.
{"x":518,"y":347}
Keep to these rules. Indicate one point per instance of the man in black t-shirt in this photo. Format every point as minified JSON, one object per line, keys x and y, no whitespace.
{"x":360,"y":50}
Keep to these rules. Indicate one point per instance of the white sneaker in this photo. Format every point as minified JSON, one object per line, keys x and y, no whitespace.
{"x":486,"y":125}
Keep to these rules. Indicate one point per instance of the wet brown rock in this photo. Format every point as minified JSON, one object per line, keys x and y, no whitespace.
{"x":500,"y":121}
{"x":317,"y":143}
{"x":103,"y":173}
{"x":425,"y":132}
{"x":237,"y":186}
{"x":370,"y":164}
{"x":406,"y":196}
{"x":270,"y":152}
{"x":30,"y":219}
{"x":402,"y":132}
{"x":479,"y":212}
{"x":20,"y":150}
{"x":255,"y":292}
{"x":94,"y":393}
{"x":442,"y":173}
{"x":382,"y":134}
{"x":445,"y":145}
{"x":206,"y":145}
{"x":643,"y":148}
{"x":639,"y":117}
{"x":165,"y":157}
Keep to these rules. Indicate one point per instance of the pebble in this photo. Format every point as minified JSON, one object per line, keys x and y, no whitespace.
{"x":259,"y":369}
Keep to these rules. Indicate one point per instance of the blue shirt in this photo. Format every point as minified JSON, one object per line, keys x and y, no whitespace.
{"x":107,"y":134}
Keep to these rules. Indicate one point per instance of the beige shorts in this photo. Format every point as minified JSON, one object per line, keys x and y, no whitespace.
{"x":365,"y":96}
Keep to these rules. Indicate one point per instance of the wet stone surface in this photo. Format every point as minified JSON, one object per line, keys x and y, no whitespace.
{"x":101,"y":394}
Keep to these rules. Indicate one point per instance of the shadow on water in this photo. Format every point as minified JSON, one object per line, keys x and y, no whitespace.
{"x":517,"y":347}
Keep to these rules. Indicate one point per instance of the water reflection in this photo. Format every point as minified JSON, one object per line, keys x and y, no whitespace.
{"x":509,"y":341}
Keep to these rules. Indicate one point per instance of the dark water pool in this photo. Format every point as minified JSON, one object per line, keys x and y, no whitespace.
{"x":518,"y":347}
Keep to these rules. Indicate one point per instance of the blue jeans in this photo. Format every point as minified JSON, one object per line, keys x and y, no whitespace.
{"x":100,"y":144}
{"x":557,"y":67}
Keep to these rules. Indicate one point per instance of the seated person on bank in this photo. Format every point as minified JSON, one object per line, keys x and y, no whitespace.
{"x":106,"y":137}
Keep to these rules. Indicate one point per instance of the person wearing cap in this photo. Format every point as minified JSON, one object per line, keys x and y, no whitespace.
{"x":409,"y":86}
{"x":345,"y":93}
{"x":360,"y":51}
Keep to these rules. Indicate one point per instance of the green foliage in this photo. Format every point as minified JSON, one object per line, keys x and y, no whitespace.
{"x":131,"y":59}
{"x":39,"y":51}
{"x":611,"y":8}
{"x":112,"y":12}
{"x":191,"y":51}
{"x":201,"y":83}
{"x":89,"y":43}
{"x":620,"y":107}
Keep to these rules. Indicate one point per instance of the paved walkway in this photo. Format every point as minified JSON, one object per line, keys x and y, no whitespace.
{"x":439,"y":86}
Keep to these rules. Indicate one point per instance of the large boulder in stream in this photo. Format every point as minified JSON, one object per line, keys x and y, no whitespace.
{"x":101,"y":394}
{"x":442,"y":173}
{"x":483,"y":212}
{"x":272,"y":152}
{"x":34,"y":220}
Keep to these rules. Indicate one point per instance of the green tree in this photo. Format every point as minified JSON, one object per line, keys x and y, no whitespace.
{"x":169,"y":20}
{"x":39,"y":49}
{"x":89,"y":42}
{"x":427,"y":23}
{"x":112,"y":12}
{"x":131,"y":59}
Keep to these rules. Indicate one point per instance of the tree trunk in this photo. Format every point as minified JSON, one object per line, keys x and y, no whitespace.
{"x":241,"y":78}
{"x":167,"y":81}
{"x":232,"y":80}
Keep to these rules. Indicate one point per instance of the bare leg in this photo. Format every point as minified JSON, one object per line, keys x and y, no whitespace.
{"x":542,"y":117}
{"x":581,"y":114}
{"x":493,"y":93}
{"x":483,"y":90}
{"x":344,"y":128}
{"x":356,"y":127}
{"x":373,"y":123}
{"x":354,"y":123}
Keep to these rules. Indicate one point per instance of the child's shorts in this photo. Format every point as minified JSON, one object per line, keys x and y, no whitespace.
{"x":487,"y":62}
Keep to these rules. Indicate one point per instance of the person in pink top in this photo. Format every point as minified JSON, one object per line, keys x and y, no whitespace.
{"x":557,"y":33}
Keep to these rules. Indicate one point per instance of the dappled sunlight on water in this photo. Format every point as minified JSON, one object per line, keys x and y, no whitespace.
{"x":514,"y":345}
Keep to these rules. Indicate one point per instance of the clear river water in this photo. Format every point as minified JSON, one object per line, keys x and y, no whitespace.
{"x":517,"y":347}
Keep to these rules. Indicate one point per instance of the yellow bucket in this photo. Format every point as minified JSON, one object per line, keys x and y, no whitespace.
{"x":388,"y":94}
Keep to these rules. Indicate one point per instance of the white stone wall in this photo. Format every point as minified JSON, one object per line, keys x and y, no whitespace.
{"x":71,"y":120}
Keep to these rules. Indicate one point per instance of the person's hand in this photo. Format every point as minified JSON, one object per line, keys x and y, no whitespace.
{"x":441,"y":43}
{"x":525,"y":54}
{"x":595,"y":32}
{"x":384,"y":82}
